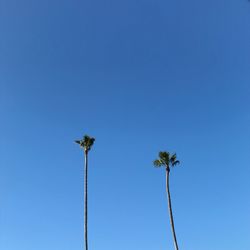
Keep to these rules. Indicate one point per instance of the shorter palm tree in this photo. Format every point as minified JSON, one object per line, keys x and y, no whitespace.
{"x":167,"y":160}
{"x":86,"y":143}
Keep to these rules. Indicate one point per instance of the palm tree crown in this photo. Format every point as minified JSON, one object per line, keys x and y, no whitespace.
{"x":86,"y":143}
{"x":167,"y":160}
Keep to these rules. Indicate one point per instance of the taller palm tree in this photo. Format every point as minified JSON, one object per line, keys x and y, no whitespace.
{"x":86,"y":144}
{"x":167,"y":160}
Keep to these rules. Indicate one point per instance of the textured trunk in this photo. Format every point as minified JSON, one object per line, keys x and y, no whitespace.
{"x":170,"y":209}
{"x":86,"y":200}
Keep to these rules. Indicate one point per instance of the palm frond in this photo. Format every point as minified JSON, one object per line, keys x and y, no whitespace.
{"x":175,"y":163}
{"x":157,"y":163}
{"x":91,"y":141}
{"x":86,"y":138}
{"x":173,"y":157}
{"x":173,"y":160}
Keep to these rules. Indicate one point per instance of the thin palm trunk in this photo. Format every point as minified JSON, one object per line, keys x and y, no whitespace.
{"x":170,"y":209}
{"x":86,"y":200}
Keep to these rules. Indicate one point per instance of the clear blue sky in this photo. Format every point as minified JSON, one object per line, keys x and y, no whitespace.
{"x":140,"y":76}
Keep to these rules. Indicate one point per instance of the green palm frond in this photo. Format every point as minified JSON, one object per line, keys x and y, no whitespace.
{"x":173,"y":157}
{"x":175,"y":163}
{"x":173,"y":160}
{"x":86,"y":138}
{"x":158,"y":163}
{"x":90,"y":143}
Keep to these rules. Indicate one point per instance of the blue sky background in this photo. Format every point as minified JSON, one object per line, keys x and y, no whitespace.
{"x":140,"y":76}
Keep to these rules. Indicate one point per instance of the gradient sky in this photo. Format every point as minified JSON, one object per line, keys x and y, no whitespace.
{"x":139,"y":76}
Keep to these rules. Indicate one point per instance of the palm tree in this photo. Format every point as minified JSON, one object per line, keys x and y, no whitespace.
{"x":167,"y":160}
{"x":86,"y":143}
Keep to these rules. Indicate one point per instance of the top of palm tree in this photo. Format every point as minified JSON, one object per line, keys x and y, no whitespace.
{"x":86,"y":143}
{"x":167,"y":160}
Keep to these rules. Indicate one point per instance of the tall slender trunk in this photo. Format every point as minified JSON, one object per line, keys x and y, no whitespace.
{"x":170,"y":209}
{"x":86,"y":200}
